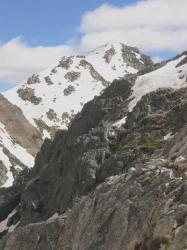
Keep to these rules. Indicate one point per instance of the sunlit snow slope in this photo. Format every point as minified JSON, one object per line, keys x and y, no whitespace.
{"x":173,"y":74}
{"x":52,"y":98}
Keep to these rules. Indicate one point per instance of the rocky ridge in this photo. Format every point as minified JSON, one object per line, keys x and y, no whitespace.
{"x":115,"y":179}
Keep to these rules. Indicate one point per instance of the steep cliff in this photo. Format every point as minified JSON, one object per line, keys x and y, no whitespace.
{"x":116,"y":179}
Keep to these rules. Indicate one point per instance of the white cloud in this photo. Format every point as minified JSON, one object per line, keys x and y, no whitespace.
{"x":18,"y":60}
{"x":157,"y":59}
{"x":152,"y":25}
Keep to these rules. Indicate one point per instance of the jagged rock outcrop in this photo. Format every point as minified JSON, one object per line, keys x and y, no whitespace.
{"x":87,"y":144}
{"x":145,"y":208}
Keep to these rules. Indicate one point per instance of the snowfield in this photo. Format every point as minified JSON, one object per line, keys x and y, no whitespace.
{"x":168,"y":76}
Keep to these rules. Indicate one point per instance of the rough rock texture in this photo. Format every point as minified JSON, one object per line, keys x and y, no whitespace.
{"x":33,"y":79}
{"x":143,"y":208}
{"x":85,"y":146}
{"x":113,"y":187}
{"x":132,"y":58}
{"x":72,"y":76}
{"x":69,"y":90}
{"x":65,"y":62}
{"x":3,"y":172}
{"x":27,"y":94}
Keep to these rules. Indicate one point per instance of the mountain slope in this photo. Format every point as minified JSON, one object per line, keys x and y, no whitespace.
{"x":19,"y":141}
{"x":97,"y":186}
{"x":53,"y":97}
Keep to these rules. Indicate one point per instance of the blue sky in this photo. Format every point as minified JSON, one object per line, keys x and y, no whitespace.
{"x":35,"y":34}
{"x":45,"y":22}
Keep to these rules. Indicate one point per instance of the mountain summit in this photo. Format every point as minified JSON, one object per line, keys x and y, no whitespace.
{"x":52,"y":98}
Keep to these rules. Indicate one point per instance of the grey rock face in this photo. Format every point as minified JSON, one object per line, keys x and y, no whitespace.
{"x":51,"y":115}
{"x":65,"y":62}
{"x":144,"y":211}
{"x":130,"y":57}
{"x":87,"y":144}
{"x":38,"y":236}
{"x":136,"y":213}
{"x":114,"y":188}
{"x":156,"y":103}
{"x":48,"y":80}
{"x":3,"y":172}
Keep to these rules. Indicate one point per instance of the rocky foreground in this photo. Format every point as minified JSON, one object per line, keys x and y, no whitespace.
{"x":115,"y":180}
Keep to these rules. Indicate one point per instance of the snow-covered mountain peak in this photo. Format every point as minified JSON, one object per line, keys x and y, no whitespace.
{"x":50,"y":99}
{"x":115,"y":60}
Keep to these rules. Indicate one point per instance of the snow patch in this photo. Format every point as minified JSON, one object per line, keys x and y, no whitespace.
{"x":120,"y":122}
{"x":180,"y":159}
{"x":46,"y":134}
{"x":3,"y":224}
{"x":168,"y":76}
{"x":53,"y":217}
{"x":168,"y":136}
